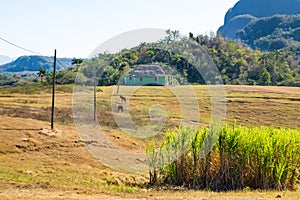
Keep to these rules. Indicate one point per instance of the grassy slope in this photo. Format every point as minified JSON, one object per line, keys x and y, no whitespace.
{"x":248,"y":105}
{"x":60,"y":166}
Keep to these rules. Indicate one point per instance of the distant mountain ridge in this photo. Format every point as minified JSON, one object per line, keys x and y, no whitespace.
{"x":257,"y":9}
{"x":33,"y":63}
{"x":259,"y":23}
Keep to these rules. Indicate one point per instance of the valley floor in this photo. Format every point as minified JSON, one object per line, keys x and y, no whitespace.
{"x":36,"y":165}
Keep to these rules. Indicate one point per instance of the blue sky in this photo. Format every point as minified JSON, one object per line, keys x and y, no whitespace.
{"x":75,"y":28}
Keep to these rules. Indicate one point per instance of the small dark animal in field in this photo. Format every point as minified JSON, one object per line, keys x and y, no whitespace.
{"x":123,"y":99}
{"x":120,"y":108}
{"x":99,"y":90}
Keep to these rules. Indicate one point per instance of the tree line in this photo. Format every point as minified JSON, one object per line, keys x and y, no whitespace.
{"x":236,"y":63}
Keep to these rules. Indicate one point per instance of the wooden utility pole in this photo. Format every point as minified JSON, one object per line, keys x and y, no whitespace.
{"x":117,"y":88}
{"x":95,"y":98}
{"x":53,"y":89}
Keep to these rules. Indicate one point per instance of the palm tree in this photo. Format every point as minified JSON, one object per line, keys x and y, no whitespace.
{"x":172,"y":36}
{"x":265,"y":60}
{"x":175,"y":35}
{"x":76,"y":61}
{"x":278,"y":56}
{"x":41,"y":73}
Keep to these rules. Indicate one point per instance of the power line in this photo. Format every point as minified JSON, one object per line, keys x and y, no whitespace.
{"x":15,"y":45}
{"x":61,"y":63}
{"x":28,"y":50}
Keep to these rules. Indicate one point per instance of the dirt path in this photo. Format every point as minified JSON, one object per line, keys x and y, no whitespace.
{"x":46,"y":194}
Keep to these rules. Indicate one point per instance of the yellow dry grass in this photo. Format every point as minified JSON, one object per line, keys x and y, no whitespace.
{"x":38,"y":166}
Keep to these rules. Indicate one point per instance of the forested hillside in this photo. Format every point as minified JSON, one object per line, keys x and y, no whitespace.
{"x":265,"y":24}
{"x":236,"y":63}
{"x":272,"y":33}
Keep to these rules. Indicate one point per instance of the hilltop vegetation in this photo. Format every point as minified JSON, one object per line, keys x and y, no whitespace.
{"x":259,"y":44}
{"x":242,"y":65}
{"x":236,"y":63}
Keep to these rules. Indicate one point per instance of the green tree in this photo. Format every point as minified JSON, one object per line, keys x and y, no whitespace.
{"x":236,"y":63}
{"x":265,"y":78}
{"x":172,"y":36}
{"x":77,"y":61}
{"x":41,"y":73}
{"x":264,"y":59}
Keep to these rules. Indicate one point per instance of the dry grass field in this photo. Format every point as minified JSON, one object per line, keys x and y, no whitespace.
{"x":36,"y":165}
